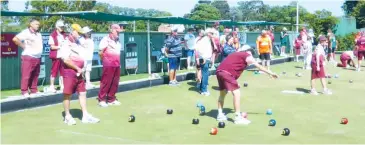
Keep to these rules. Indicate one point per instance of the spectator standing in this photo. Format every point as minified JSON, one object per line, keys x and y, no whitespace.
{"x":30,"y":40}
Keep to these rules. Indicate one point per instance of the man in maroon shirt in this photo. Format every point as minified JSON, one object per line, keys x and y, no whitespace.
{"x":360,"y":47}
{"x":227,"y":74}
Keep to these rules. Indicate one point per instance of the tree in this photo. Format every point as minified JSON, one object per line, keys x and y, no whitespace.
{"x":5,"y":5}
{"x":204,"y":12}
{"x":254,"y":10}
{"x":359,"y":14}
{"x":321,"y":21}
{"x":348,"y":6}
{"x":223,"y":7}
{"x":237,"y":13}
{"x":8,"y":23}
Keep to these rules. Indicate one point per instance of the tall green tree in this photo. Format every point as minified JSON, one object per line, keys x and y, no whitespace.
{"x":223,"y":7}
{"x":348,"y":6}
{"x":8,"y":24}
{"x":359,"y":14}
{"x":253,"y":10}
{"x":321,"y":21}
{"x":204,"y":12}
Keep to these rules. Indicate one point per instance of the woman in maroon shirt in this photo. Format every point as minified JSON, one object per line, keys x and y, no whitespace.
{"x":227,"y":74}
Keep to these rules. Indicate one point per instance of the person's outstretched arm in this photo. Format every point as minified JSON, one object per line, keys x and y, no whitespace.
{"x":250,"y":60}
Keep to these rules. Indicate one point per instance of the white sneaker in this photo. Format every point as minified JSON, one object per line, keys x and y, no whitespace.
{"x":69,"y":120}
{"x":327,"y":92}
{"x":221,"y":117}
{"x":241,"y":120}
{"x":314,"y":92}
{"x":176,"y":82}
{"x":90,"y":119}
{"x":103,"y":104}
{"x":51,"y":89}
{"x":205,"y":93}
{"x":26,"y":95}
{"x":36,"y":94}
{"x":115,"y":102}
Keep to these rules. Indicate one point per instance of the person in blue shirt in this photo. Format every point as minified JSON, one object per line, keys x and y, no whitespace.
{"x":228,"y":47}
{"x":189,"y":47}
{"x":174,"y":52}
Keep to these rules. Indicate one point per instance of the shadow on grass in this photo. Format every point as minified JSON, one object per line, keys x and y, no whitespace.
{"x":75,"y":113}
{"x":303,"y":90}
{"x":252,"y":70}
{"x":215,"y":88}
{"x":299,"y":67}
{"x":214,"y":112}
{"x":191,"y":83}
{"x":194,"y":89}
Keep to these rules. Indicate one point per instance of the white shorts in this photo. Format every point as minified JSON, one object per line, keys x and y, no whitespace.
{"x":88,"y":64}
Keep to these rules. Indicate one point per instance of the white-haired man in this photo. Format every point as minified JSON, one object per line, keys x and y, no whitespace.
{"x":88,"y":44}
{"x":109,"y":51}
{"x":227,"y":74}
{"x":56,"y":39}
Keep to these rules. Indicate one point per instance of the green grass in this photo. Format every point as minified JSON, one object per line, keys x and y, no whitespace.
{"x":16,"y":92}
{"x":311,"y":119}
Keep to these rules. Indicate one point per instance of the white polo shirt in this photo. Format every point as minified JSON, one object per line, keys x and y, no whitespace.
{"x":88,"y":45}
{"x":111,"y":51}
{"x":60,"y":39}
{"x":204,"y":48}
{"x":33,"y":43}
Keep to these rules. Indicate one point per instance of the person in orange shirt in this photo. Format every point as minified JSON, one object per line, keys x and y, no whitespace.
{"x":264,"y":45}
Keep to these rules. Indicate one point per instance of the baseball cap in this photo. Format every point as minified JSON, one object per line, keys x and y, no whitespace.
{"x":116,"y":27}
{"x":77,"y":28}
{"x":86,"y":29}
{"x":60,"y":23}
{"x":284,"y":29}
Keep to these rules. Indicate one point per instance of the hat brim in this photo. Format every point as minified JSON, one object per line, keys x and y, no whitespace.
{"x":88,"y":31}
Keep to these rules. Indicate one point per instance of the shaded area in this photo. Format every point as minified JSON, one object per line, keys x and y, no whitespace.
{"x":76,"y":113}
{"x":303,"y":90}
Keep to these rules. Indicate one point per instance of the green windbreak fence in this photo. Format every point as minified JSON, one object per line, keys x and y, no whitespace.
{"x":10,"y":66}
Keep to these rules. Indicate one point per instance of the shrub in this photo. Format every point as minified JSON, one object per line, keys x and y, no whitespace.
{"x":346,"y":42}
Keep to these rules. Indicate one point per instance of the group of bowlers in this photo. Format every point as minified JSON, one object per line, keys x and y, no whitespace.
{"x":237,"y":59}
{"x":70,"y":54}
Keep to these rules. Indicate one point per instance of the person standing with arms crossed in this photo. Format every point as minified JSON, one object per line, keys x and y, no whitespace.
{"x":88,"y":44}
{"x":227,"y":74}
{"x":30,"y":40}
{"x":109,"y":53}
{"x":56,"y":39}
{"x":264,"y":45}
{"x":72,"y":56}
